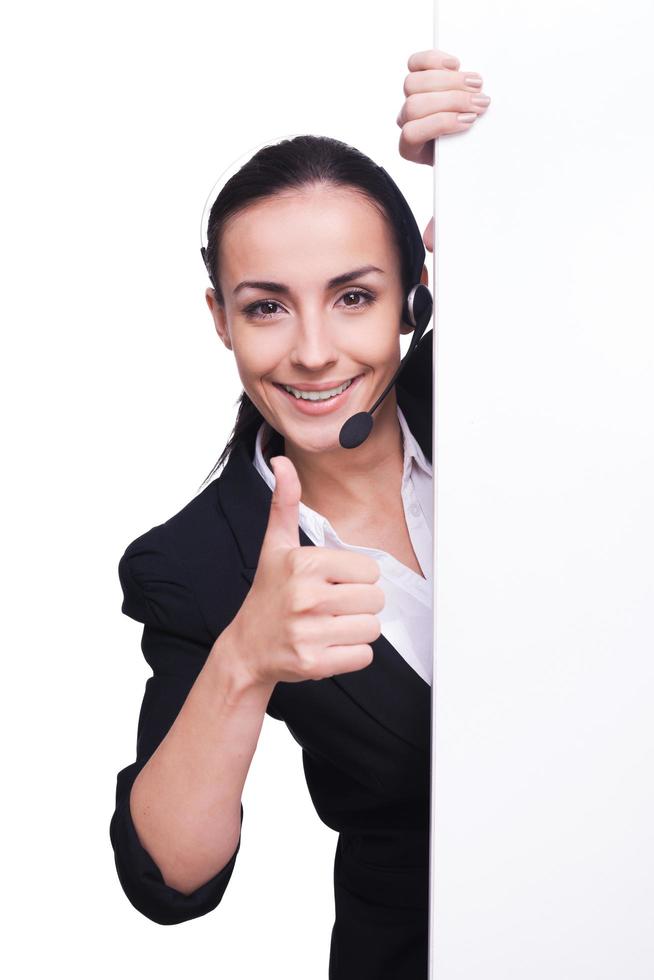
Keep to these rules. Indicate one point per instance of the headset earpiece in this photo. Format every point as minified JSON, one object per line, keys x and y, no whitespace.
{"x":419,"y":301}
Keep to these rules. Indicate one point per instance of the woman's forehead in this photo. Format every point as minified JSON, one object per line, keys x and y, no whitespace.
{"x":315,"y":225}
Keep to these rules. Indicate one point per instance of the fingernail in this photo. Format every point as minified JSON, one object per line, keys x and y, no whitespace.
{"x":451,"y":62}
{"x":466,"y":117}
{"x":474,"y":80}
{"x":480,"y":100}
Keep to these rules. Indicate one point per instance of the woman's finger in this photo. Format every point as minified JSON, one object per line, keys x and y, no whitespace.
{"x":417,"y":152}
{"x":416,"y":135}
{"x":440,"y":79}
{"x":427,"y":103}
{"x":428,"y":236}
{"x":432,"y":58}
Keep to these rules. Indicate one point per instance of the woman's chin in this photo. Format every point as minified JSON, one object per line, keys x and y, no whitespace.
{"x":324,"y":441}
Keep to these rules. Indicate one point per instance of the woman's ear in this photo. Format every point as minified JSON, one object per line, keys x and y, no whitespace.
{"x":219,"y":318}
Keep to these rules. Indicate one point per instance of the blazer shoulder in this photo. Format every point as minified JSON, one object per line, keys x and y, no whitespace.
{"x":160,"y":570}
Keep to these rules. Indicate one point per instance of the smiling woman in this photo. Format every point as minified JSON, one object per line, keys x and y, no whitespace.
{"x":322,"y":336}
{"x":297,"y":224}
{"x":299,"y":582}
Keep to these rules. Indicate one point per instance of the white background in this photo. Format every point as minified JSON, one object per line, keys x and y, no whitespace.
{"x":544,"y":805}
{"x":117,"y":400}
{"x":118,"y":397}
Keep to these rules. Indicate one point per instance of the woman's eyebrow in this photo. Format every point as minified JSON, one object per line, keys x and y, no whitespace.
{"x":278,"y":287}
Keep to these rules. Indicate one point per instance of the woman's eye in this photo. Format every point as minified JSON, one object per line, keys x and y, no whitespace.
{"x":363,"y":297}
{"x":252,"y":310}
{"x":263,"y":309}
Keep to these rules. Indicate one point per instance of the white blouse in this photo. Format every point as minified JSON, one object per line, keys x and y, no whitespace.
{"x":406,"y":619}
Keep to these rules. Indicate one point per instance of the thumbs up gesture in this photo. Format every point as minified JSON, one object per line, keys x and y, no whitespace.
{"x":310,"y":612}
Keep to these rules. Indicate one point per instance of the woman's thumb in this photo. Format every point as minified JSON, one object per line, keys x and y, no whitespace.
{"x":283,"y":520}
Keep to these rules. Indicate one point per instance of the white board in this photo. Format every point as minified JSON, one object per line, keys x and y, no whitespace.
{"x":543,"y":852}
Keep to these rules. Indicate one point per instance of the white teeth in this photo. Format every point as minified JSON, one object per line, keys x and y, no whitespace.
{"x":315,"y":396}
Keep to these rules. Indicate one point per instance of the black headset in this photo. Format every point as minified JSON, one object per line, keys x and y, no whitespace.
{"x":416,"y":311}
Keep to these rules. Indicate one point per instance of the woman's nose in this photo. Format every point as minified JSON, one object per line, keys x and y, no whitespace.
{"x":313,"y":344}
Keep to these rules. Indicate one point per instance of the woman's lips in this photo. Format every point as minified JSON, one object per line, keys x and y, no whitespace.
{"x":322,"y":406}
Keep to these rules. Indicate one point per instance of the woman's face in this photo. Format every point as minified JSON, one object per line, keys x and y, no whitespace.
{"x":289,"y":323}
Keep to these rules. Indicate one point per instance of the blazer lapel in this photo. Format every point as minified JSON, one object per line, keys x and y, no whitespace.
{"x":389,"y":690}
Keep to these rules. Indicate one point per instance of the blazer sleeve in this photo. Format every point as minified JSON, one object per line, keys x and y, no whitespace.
{"x":175,"y":643}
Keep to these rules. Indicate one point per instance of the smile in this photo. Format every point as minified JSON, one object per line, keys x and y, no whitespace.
{"x":318,"y":395}
{"x":318,"y":402}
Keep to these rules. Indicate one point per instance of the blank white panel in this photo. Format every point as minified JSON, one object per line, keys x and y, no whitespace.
{"x":543,"y":852}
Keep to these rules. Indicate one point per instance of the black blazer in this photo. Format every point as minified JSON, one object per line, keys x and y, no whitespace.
{"x":365,"y":735}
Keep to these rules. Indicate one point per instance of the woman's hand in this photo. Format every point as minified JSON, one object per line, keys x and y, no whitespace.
{"x":310,"y":612}
{"x":439,"y":99}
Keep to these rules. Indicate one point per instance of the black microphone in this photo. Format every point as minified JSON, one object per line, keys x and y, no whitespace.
{"x":357,"y":428}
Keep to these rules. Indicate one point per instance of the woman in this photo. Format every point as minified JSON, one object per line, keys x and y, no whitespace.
{"x":310,"y":270}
